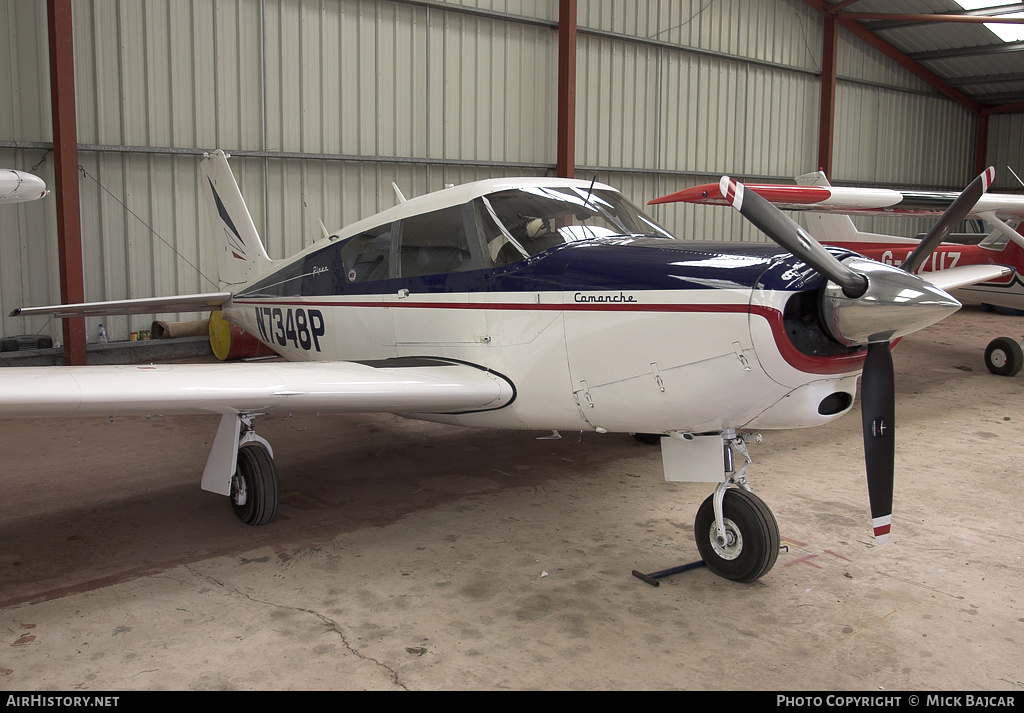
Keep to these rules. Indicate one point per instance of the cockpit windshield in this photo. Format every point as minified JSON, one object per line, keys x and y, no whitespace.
{"x":519,"y":223}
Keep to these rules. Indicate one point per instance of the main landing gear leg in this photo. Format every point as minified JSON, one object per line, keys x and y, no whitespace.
{"x":255,"y":491}
{"x":241,"y":465}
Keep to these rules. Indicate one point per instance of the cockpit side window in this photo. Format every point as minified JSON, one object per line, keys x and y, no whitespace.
{"x":437,"y":242}
{"x":366,"y":255}
{"x":527,"y":221}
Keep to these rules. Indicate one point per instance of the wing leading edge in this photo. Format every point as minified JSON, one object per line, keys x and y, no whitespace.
{"x":853,"y":201}
{"x":202,"y":302}
{"x":392,"y":386}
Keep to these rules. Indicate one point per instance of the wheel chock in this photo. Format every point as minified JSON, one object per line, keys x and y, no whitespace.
{"x":653,"y":577}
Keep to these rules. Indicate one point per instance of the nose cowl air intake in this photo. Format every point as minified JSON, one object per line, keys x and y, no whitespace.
{"x":895,"y":303}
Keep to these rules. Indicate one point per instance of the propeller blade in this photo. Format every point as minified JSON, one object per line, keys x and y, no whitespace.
{"x":787,"y":233}
{"x":878,"y":409}
{"x":953,"y":216}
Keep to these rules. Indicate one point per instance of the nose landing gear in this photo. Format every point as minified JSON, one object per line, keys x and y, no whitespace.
{"x":735,"y":531}
{"x":745,"y":545}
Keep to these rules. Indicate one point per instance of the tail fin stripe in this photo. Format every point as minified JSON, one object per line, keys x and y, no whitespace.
{"x":234,"y":239}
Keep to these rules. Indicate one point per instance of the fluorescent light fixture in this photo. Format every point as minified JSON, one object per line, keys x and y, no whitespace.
{"x":1005,"y":32}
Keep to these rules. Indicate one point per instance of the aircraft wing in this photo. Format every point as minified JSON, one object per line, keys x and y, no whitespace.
{"x":203,"y":302}
{"x":964,"y":276}
{"x":404,"y":385}
{"x":18,"y":186}
{"x":854,"y":201}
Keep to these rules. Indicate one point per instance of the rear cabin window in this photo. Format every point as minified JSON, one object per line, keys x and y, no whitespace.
{"x":367,"y":256}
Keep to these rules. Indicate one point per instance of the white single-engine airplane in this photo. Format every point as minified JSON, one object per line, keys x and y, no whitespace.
{"x":18,"y":186}
{"x":537,"y":303}
{"x":828,"y":210}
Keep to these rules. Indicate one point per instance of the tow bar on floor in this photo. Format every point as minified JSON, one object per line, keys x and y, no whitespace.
{"x":653,"y":577}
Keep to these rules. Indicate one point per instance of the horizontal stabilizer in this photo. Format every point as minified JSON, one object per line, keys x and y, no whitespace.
{"x":205,"y":302}
{"x":965,"y":275}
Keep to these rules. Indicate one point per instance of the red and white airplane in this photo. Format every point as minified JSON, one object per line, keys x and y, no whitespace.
{"x":829,"y":209}
{"x":18,"y":186}
{"x":533,"y":303}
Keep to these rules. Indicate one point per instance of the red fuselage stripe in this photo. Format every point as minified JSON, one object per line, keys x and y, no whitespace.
{"x":840,"y":364}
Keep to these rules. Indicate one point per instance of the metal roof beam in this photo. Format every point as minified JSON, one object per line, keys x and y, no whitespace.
{"x":897,"y":55}
{"x":905,"y":18}
{"x":1000,"y":97}
{"x":1003,"y":48}
{"x":989,"y":14}
{"x":988,"y":79}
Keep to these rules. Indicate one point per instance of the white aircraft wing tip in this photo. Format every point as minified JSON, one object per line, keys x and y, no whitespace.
{"x":965,"y":275}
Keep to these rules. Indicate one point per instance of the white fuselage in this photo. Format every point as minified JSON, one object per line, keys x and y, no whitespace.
{"x":637,"y":361}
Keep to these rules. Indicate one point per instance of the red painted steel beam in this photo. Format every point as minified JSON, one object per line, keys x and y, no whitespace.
{"x":65,"y":156}
{"x":1014,"y":108}
{"x":981,"y":145}
{"x":566,"y":162}
{"x":926,"y":17}
{"x":827,"y":110}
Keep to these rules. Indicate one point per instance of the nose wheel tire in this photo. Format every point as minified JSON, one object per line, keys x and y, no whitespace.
{"x":1004,"y":356}
{"x":751,"y":543}
{"x":254,"y":487}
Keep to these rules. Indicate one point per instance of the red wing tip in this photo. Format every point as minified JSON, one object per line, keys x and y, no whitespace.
{"x":716,"y":194}
{"x":707,"y":193}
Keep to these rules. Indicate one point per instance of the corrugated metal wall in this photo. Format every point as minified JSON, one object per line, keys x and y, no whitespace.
{"x":325,"y":102}
{"x":1006,"y":149}
{"x":691,"y":90}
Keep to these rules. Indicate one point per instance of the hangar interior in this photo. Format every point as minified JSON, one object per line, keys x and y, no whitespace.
{"x":323,"y":105}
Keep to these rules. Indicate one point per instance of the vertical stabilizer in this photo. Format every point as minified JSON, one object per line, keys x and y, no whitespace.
{"x":827,"y":227}
{"x":241,"y":256}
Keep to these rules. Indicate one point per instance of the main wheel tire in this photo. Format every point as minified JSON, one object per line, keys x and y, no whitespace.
{"x":648,"y":438}
{"x":1004,"y":356}
{"x":254,"y":488}
{"x":753,"y":536}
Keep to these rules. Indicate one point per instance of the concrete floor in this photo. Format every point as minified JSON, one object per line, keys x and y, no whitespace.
{"x":415,"y":556}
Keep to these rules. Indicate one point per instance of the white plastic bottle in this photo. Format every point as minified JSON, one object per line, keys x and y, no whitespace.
{"x":103,"y":334}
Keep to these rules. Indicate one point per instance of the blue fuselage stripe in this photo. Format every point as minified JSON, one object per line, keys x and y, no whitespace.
{"x":615,"y":265}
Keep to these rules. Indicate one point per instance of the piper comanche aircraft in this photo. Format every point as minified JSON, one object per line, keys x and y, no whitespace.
{"x":536,"y":303}
{"x":828,"y":219}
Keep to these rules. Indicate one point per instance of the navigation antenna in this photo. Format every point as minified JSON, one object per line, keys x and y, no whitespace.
{"x":1015,"y":175}
{"x":591,"y":189}
{"x":398,"y":192}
